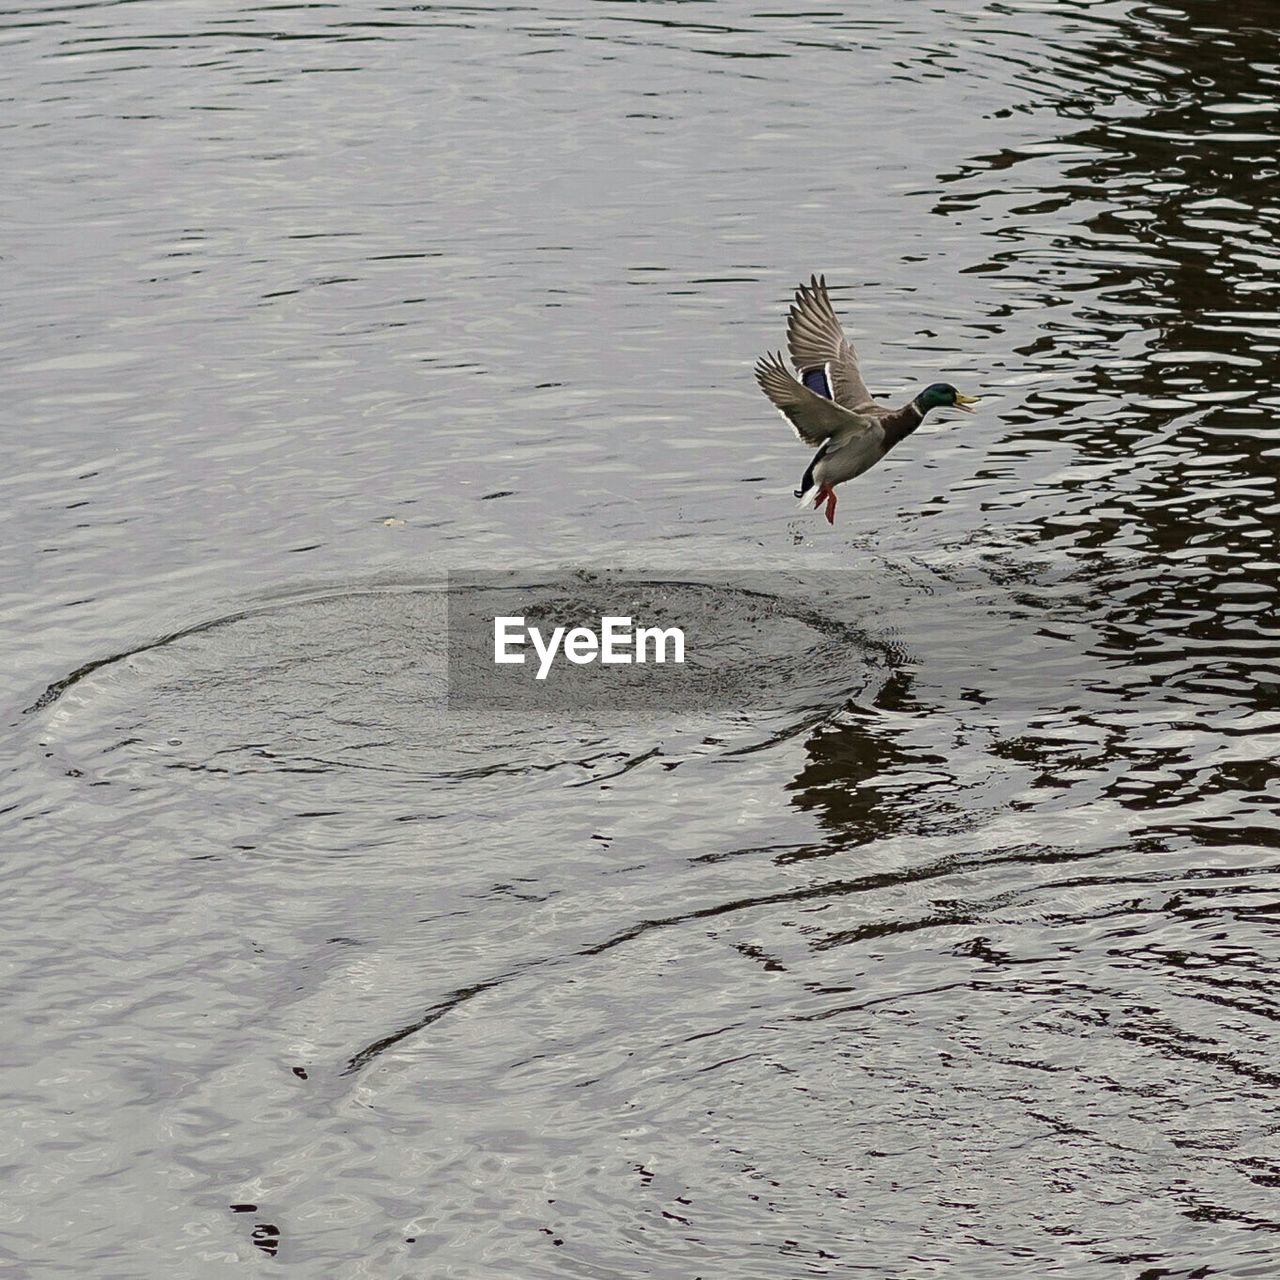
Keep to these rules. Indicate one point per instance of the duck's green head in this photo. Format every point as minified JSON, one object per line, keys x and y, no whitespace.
{"x":942,"y":395}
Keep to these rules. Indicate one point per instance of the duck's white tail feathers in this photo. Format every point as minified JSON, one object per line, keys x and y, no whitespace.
{"x":807,"y":498}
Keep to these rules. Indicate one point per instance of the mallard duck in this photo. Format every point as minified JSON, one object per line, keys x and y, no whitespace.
{"x":830,"y":405}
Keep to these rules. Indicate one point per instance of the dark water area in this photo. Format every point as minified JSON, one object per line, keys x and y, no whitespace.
{"x":952,"y":951}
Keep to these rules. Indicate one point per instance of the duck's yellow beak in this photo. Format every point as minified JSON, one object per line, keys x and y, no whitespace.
{"x":966,"y":403}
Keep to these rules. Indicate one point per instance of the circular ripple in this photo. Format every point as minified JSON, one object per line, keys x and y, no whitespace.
{"x":355,"y":686}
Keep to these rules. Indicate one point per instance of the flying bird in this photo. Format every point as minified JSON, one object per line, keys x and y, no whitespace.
{"x":830,"y":406}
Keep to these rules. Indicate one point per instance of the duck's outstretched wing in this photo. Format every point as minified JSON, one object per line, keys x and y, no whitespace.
{"x":817,"y":342}
{"x":814,"y":417}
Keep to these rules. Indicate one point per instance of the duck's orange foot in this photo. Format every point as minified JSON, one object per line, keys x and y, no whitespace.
{"x":828,"y":495}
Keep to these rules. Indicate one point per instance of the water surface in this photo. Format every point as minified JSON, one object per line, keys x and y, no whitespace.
{"x":954,"y":954}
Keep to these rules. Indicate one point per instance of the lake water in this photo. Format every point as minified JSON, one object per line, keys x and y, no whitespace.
{"x":951,"y":951}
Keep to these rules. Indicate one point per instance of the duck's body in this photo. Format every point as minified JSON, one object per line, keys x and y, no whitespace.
{"x":830,"y":405}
